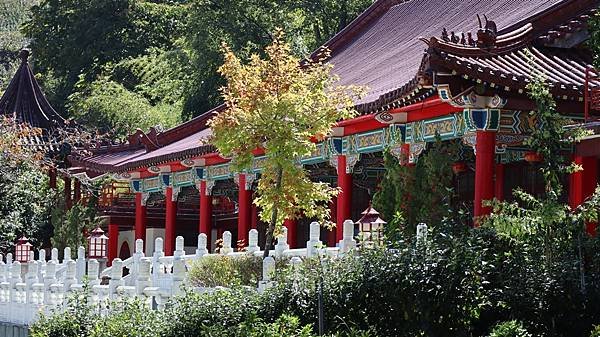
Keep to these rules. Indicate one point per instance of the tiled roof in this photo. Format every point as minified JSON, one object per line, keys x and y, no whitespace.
{"x":381,"y":48}
{"x":565,"y":70}
{"x":184,"y":148}
{"x":24,"y":101}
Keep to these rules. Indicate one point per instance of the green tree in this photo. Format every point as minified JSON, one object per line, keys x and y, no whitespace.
{"x":547,"y":220}
{"x":76,"y":38}
{"x":12,"y":14}
{"x":277,"y":105}
{"x":399,"y":198}
{"x":72,"y":225}
{"x":25,"y":205}
{"x":246,"y":26}
{"x":139,"y":92}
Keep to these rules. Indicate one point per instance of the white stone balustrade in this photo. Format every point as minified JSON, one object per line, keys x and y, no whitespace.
{"x":40,"y":285}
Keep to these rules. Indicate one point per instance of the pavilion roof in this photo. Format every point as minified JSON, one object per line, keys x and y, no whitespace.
{"x":381,"y":48}
{"x":24,"y":101}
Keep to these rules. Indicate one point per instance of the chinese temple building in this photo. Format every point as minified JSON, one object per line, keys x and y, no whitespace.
{"x":456,"y":70}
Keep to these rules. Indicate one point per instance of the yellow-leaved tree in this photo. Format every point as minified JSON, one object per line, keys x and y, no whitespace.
{"x":281,"y":105}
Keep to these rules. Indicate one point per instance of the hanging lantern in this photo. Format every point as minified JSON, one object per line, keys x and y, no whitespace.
{"x":533,"y":157}
{"x":370,"y":226}
{"x":22,"y":250}
{"x":459,"y":167}
{"x":97,"y":244}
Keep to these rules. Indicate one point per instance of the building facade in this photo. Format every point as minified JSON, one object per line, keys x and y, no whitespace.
{"x":453,"y":70}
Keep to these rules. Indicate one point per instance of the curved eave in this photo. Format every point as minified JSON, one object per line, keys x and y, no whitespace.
{"x":164,"y":159}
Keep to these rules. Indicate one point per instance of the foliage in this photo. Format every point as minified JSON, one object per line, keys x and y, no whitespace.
{"x":593,"y":42}
{"x":226,"y":271}
{"x":191,"y":313}
{"x":129,"y":319}
{"x":546,"y":220}
{"x":12,"y":13}
{"x":72,"y":225}
{"x":596,"y":331}
{"x":458,"y":285}
{"x":276,"y":105}
{"x":398,"y":199}
{"x":75,"y":321}
{"x":246,"y":26}
{"x":25,"y":205}
{"x":25,"y":199}
{"x":510,"y":329}
{"x":68,"y":43}
{"x":109,"y":106}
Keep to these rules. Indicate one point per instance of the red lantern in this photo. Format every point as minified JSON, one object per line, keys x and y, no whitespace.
{"x":459,"y":167}
{"x":533,"y":157}
{"x":97,"y":243}
{"x":22,"y":250}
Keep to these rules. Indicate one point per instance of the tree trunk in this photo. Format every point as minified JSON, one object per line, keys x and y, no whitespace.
{"x":271,"y":228}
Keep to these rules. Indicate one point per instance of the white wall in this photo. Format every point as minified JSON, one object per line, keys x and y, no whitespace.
{"x":151,"y":235}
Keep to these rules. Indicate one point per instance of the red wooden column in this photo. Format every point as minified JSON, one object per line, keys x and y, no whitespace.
{"x":484,"y":170}
{"x":244,"y":212}
{"x":76,"y":190}
{"x":113,"y":242}
{"x":52,"y":178}
{"x":344,"y":199}
{"x":332,"y":234}
{"x":582,"y":185}
{"x":292,"y":237}
{"x":254,"y":216}
{"x":205,"y":212}
{"x":140,"y":217}
{"x":170,"y":219}
{"x":68,"y":198}
{"x":499,"y":182}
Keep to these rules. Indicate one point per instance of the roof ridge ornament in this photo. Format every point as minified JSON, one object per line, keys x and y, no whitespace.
{"x":486,"y":36}
{"x":24,"y":55}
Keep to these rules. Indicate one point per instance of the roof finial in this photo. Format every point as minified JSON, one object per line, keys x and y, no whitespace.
{"x":24,"y":55}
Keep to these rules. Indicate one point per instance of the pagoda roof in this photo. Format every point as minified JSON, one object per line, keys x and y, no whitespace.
{"x":542,"y":46}
{"x":382,"y":49}
{"x":25,"y":102}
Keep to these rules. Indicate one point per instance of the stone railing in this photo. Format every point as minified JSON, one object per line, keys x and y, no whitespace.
{"x":42,"y":286}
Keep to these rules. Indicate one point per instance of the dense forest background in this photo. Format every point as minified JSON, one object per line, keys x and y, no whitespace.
{"x":119,"y":65}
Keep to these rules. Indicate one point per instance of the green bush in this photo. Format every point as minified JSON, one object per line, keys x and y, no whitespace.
{"x":596,"y":331}
{"x":77,"y":320}
{"x":129,"y":319}
{"x":226,"y":271}
{"x":510,"y":329}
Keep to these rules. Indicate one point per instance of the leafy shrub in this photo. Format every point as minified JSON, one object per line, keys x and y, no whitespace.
{"x":509,"y":329}
{"x":596,"y":331}
{"x":76,"y":321}
{"x":129,"y":319}
{"x":190,"y":314}
{"x":226,"y":271}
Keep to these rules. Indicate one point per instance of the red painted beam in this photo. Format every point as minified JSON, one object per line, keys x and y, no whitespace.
{"x":429,"y":108}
